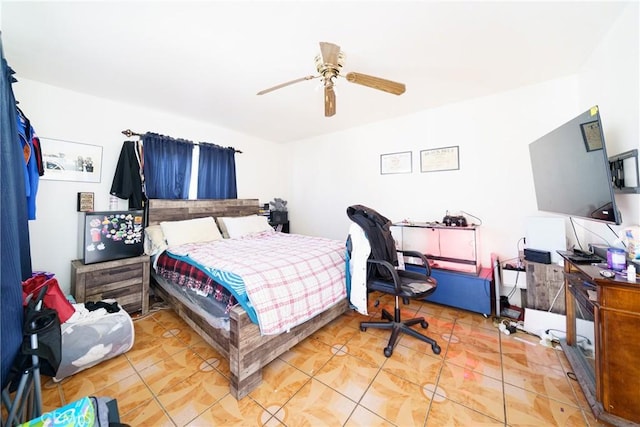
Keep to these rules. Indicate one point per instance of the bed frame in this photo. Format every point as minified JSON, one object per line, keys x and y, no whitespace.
{"x":245,"y":348}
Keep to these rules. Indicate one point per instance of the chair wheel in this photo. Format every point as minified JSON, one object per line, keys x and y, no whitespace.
{"x":363,"y":328}
{"x":424,"y":324}
{"x":388,"y":351}
{"x":436,"y":349}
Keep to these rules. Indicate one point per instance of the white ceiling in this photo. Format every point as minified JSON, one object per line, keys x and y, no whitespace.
{"x":206,"y":60}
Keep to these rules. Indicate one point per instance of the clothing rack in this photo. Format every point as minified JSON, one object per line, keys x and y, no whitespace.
{"x":129,"y":133}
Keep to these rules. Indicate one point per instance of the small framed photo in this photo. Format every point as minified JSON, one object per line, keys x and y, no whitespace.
{"x":395,"y":163}
{"x":440,"y":159}
{"x":591,"y":135}
{"x":71,"y":161}
{"x":85,"y":202}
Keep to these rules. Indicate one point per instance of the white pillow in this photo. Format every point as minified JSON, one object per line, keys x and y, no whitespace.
{"x":190,"y":231}
{"x":242,"y":225}
{"x":154,"y":241}
{"x":222,"y":226}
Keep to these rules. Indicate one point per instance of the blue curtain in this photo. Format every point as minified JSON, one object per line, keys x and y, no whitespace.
{"x":217,"y":172}
{"x":167,"y":166}
{"x":16,"y":256}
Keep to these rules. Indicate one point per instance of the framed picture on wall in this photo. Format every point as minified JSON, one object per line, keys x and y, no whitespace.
{"x":440,"y":159}
{"x":395,"y":163}
{"x":71,"y":161}
{"x":85,"y":202}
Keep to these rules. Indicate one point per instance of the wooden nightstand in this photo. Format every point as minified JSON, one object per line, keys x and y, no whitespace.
{"x":125,"y":280}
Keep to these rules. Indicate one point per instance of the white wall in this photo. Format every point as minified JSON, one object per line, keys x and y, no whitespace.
{"x":494,"y":182}
{"x":611,"y":79}
{"x":62,"y":114}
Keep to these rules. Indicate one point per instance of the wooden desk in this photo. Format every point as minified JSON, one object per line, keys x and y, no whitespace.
{"x":610,"y":376}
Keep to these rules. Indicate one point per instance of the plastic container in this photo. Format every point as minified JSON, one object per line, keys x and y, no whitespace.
{"x":113,"y":203}
{"x":631,"y":239}
{"x":616,"y":259}
{"x":631,"y":273}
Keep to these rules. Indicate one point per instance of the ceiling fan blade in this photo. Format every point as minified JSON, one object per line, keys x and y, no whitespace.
{"x":376,"y":83}
{"x":281,"y":85}
{"x":329,"y":101}
{"x":329,"y":53}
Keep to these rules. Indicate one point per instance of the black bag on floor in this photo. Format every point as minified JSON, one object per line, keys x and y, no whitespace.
{"x":45,"y":324}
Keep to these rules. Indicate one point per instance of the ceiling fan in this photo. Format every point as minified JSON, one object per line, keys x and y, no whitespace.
{"x":329,"y":63}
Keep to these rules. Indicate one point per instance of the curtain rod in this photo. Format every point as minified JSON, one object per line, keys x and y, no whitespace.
{"x":129,"y":133}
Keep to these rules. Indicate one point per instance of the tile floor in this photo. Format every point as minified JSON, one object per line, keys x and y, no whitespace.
{"x":340,"y":377}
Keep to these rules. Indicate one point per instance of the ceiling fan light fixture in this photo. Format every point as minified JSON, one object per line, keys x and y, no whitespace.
{"x":323,"y":67}
{"x":328,"y":64}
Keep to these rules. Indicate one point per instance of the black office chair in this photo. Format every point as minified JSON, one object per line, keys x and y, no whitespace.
{"x":383,"y":276}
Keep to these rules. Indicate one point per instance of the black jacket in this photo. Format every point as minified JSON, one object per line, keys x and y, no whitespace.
{"x":378,"y":231}
{"x":127,"y":180}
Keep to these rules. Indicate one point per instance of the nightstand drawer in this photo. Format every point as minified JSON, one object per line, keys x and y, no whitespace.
{"x":125,"y":280}
{"x":113,"y":278}
{"x":130,"y":298}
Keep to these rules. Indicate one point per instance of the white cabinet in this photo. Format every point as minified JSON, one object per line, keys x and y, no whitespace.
{"x":449,"y":248}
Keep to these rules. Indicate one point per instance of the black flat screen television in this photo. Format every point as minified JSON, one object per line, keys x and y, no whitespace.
{"x":571,"y":172}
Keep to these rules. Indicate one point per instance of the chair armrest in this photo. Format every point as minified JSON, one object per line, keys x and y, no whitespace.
{"x":423,"y":258}
{"x":394,"y":273}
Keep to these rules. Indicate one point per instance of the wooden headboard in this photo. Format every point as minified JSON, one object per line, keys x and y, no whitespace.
{"x":176,"y":210}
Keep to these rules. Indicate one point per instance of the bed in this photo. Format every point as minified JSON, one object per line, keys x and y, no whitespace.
{"x":247,"y":349}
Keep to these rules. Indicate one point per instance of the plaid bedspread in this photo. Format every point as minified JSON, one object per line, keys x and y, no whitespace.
{"x":191,"y":277}
{"x":288,"y":278}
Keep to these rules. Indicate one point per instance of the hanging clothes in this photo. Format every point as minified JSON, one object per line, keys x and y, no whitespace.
{"x":15,"y":252}
{"x":30,"y":144}
{"x":128,"y":179}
